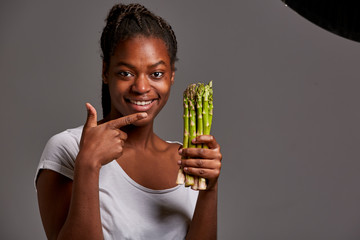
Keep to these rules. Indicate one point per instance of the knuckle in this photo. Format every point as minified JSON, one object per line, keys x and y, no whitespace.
{"x":120,"y":150}
{"x":118,"y":155}
{"x":124,"y":136}
{"x":218,"y":165}
{"x":200,"y":163}
{"x":201,"y":171}
{"x":202,"y":152}
{"x":109,"y":126}
{"x":127,"y":120}
{"x":116,"y":133}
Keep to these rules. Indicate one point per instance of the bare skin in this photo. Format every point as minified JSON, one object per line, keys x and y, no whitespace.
{"x":140,"y":70}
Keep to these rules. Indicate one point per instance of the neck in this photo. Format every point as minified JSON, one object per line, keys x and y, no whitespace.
{"x":139,"y":136}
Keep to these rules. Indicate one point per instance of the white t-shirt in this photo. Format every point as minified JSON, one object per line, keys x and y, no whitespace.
{"x":128,"y":209}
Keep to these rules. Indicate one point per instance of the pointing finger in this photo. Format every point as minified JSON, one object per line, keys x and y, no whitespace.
{"x":127,"y":120}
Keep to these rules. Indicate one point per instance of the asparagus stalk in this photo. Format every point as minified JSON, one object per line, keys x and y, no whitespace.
{"x":181,"y":176}
{"x":206,"y":110}
{"x":192,"y":112}
{"x":199,"y":125}
{"x":196,"y":183}
{"x":186,"y":120}
{"x":189,"y":179}
{"x":211,"y":105}
{"x":206,"y":124}
{"x":199,"y":109}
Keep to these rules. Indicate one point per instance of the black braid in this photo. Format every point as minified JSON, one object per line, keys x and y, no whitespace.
{"x":127,"y":21}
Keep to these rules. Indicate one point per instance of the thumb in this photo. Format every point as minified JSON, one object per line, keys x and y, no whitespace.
{"x":91,"y":120}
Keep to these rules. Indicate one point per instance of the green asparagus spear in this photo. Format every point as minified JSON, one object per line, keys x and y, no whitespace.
{"x":186,"y":120}
{"x":192,"y":111}
{"x":206,"y":110}
{"x":181,"y":176}
{"x":189,"y":179}
{"x":211,"y":105}
{"x":199,"y":110}
{"x":199,"y":124}
{"x":206,"y":124}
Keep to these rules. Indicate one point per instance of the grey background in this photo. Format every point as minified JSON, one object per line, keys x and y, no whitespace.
{"x":286,"y":109}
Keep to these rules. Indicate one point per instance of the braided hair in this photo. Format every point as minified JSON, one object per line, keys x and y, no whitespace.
{"x":127,"y":21}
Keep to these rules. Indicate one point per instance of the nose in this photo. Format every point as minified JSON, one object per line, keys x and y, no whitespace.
{"x":141,"y":84}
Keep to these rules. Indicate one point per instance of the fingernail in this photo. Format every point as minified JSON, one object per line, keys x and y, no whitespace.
{"x":179,"y":162}
{"x":180,"y":151}
{"x":143,"y":115}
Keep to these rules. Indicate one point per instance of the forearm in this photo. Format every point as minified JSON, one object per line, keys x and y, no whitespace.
{"x":204,"y":222}
{"x":83,"y":220}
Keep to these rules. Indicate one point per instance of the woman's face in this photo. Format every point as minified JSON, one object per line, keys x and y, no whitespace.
{"x":139,"y":76}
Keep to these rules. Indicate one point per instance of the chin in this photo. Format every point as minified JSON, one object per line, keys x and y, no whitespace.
{"x":144,"y":122}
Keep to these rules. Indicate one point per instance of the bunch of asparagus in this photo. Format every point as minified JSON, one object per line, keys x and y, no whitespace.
{"x":198,"y":113}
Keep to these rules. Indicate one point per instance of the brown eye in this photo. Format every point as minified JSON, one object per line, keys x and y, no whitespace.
{"x":157,"y":74}
{"x":124,"y":74}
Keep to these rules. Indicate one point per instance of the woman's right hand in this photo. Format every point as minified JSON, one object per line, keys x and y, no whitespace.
{"x":103,"y":143}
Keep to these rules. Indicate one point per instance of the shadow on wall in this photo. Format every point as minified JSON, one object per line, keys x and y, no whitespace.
{"x":333,"y":15}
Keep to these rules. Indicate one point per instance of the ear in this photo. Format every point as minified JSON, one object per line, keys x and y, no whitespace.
{"x":105,"y":73}
{"x":172,"y":79}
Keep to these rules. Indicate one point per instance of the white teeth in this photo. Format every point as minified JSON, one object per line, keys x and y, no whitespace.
{"x":141,"y":103}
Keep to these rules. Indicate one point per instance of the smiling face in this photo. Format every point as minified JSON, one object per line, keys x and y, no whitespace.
{"x":139,"y":76}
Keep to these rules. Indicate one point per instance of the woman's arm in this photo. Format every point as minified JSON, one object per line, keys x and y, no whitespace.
{"x":204,"y":163}
{"x":71,"y":209}
{"x":204,"y":222}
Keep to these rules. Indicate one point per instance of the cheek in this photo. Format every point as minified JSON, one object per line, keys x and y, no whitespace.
{"x":117,"y":88}
{"x":164,"y":90}
{"x":116,"y":93}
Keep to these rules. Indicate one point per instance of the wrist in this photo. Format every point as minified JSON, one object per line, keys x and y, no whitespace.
{"x":212,"y":187}
{"x":87,"y":161}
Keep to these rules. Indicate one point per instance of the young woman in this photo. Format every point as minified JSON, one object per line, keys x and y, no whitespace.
{"x":116,"y":179}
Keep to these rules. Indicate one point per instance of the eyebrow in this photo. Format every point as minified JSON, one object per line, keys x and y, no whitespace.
{"x":161,"y":62}
{"x":125,"y":64}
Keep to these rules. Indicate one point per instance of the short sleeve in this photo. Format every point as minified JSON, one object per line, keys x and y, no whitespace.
{"x":60,"y":153}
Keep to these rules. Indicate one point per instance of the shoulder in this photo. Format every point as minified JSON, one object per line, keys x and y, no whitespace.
{"x":60,"y":152}
{"x":174,"y":144}
{"x":168,"y":147}
{"x":173,"y":149}
{"x":66,"y":140}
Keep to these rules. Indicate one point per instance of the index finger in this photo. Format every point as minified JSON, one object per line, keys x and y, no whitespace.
{"x":127,"y":120}
{"x":209,"y":140}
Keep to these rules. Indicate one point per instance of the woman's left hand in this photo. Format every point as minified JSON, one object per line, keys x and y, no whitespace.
{"x":203,"y":162}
